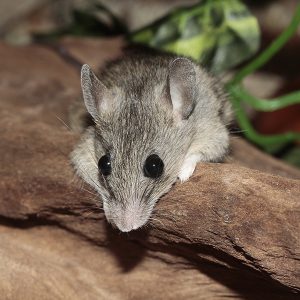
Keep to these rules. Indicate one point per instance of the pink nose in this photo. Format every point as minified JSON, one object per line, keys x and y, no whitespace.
{"x":128,"y":222}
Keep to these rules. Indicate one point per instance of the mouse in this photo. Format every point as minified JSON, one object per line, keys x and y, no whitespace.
{"x":154,"y":118}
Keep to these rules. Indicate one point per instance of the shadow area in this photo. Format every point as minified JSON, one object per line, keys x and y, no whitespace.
{"x":128,"y":254}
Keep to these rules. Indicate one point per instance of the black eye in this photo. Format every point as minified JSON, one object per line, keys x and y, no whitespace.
{"x":104,"y":165}
{"x":153,"y":166}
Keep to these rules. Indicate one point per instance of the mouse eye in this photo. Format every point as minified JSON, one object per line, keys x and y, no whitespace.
{"x":153,"y":166}
{"x":104,"y":165}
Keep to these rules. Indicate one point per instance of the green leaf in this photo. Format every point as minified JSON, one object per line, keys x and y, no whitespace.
{"x":216,"y":33}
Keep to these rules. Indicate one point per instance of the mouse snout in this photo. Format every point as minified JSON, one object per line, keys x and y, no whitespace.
{"x":129,"y":221}
{"x":129,"y":218}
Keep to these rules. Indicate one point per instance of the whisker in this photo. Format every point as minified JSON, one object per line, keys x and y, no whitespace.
{"x":89,"y":213}
{"x":63,"y":122}
{"x":156,"y":220}
{"x":90,"y":192}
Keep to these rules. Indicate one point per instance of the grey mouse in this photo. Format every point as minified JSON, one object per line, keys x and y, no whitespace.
{"x":156,"y":116}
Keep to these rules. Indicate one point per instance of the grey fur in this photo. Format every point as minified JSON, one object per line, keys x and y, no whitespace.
{"x":144,"y":105}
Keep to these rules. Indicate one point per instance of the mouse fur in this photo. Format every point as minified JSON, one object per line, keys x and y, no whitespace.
{"x":142,"y":105}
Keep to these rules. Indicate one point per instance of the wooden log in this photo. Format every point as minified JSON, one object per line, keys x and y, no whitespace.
{"x":229,"y":210}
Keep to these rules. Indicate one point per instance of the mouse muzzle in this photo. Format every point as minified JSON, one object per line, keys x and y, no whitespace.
{"x":128,"y":217}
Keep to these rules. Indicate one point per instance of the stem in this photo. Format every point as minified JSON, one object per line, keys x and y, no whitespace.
{"x":263,"y":104}
{"x":270,"y":143}
{"x":271,"y":50}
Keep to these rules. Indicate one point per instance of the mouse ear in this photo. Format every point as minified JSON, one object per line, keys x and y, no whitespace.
{"x":182,"y":87}
{"x":95,"y":94}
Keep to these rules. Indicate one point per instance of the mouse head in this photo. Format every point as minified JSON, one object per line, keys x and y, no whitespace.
{"x":143,"y":130}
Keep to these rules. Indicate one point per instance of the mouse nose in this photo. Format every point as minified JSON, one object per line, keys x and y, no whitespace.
{"x":129,"y":221}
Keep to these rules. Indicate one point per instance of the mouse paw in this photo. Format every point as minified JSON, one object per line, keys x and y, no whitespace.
{"x":188,"y":168}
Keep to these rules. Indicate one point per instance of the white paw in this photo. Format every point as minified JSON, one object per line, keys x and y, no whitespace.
{"x":188,"y":168}
{"x":186,"y":172}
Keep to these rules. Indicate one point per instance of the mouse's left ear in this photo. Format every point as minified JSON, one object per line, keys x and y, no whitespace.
{"x":182,"y":87}
{"x":96,"y":96}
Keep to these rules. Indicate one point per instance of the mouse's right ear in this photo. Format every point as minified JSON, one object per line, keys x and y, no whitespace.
{"x":182,"y":87}
{"x":95,"y":94}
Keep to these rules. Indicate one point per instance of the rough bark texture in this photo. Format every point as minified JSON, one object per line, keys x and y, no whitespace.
{"x":230,"y":231}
